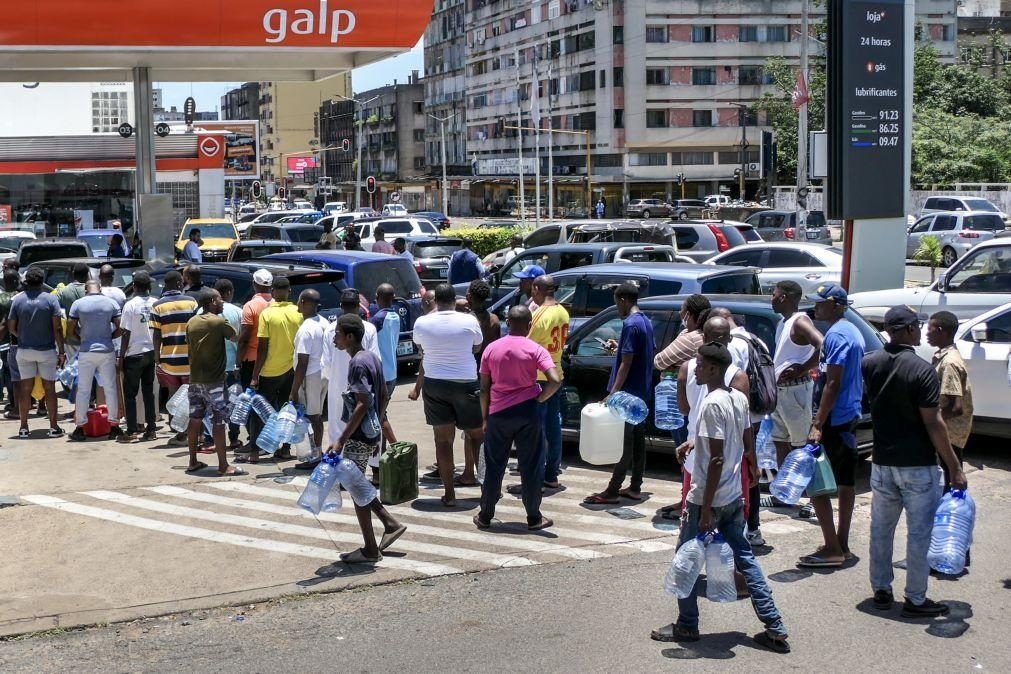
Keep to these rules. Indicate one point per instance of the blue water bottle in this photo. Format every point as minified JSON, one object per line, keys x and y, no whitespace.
{"x":628,"y":408}
{"x":321,"y":482}
{"x":241,"y":407}
{"x":666,"y":412}
{"x":952,"y":534}
{"x":765,"y":447}
{"x":269,"y":440}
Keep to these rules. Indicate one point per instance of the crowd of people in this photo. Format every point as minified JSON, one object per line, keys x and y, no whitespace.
{"x":503,"y":393}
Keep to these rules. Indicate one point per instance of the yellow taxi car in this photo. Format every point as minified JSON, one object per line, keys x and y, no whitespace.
{"x":218,"y":236}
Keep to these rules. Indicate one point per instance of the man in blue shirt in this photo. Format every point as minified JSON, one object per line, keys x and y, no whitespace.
{"x":835,"y":423}
{"x":465,"y":266}
{"x":387,"y":324}
{"x":632,"y":373}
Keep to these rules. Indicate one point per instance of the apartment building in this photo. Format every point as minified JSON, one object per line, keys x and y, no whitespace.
{"x":655,"y":88}
{"x":336,"y":123}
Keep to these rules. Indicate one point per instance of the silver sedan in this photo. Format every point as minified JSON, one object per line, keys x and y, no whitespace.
{"x":809,"y":264}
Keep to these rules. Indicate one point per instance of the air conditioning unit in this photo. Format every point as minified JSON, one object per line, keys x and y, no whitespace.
{"x":754,"y":167}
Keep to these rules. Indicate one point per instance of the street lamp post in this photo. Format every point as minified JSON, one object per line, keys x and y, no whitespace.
{"x":361,"y":125}
{"x":445,"y":179}
{"x":743,"y":111}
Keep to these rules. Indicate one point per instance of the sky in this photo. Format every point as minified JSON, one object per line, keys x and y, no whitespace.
{"x":208,"y":94}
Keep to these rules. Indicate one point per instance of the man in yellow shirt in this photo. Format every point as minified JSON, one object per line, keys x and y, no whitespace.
{"x":549,"y":328}
{"x":274,"y":372}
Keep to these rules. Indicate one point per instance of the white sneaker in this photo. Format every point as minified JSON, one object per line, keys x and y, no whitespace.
{"x":755,"y":538}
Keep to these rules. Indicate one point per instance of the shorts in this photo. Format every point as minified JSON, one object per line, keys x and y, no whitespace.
{"x":34,"y":363}
{"x":452,"y":403}
{"x":209,"y":398}
{"x":170,"y":381}
{"x":791,"y":421}
{"x":359,"y":452}
{"x":313,"y":394}
{"x":840,"y":444}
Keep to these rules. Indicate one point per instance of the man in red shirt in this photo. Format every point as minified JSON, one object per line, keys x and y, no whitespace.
{"x":509,"y":398}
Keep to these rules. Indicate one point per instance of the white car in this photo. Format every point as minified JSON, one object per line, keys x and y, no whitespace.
{"x":956,"y":233}
{"x":717,"y":200}
{"x":978,"y":282}
{"x":985,"y":346}
{"x":268,"y":218}
{"x":957,"y":204}
{"x":809,"y":264}
{"x":302,"y":204}
{"x":396,"y":210}
{"x":394,"y":227}
{"x":332,"y":207}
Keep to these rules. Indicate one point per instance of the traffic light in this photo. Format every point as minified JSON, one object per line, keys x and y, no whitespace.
{"x":680,"y":179}
{"x":282,"y":193}
{"x":256,"y":190}
{"x":737,"y":173}
{"x":370,"y":185}
{"x":346,"y":145}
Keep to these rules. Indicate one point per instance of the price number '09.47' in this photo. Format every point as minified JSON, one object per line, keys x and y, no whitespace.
{"x":888,"y":141}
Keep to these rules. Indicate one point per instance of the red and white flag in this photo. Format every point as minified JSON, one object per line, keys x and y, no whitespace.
{"x":800,"y":96}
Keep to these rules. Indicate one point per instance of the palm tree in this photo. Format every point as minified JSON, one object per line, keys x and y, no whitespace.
{"x":930,"y":254}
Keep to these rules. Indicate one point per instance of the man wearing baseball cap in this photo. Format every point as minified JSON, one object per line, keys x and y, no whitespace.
{"x":526,"y":277}
{"x":835,"y":423}
{"x":248,"y":344}
{"x":909,"y":436}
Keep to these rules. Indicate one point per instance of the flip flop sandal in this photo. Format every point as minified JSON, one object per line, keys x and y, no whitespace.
{"x":543,"y":524}
{"x":449,"y":503}
{"x":246,"y":458}
{"x":517,"y":489}
{"x":458,"y":482}
{"x":674,"y":515}
{"x":671,"y":508}
{"x":358,"y":557}
{"x":235,"y":472}
{"x":817,"y":562}
{"x":481,"y":524}
{"x":773,"y":644}
{"x":200,"y":466}
{"x":600,"y":499}
{"x":390,"y":537}
{"x":24,"y":434}
{"x":625,"y":493}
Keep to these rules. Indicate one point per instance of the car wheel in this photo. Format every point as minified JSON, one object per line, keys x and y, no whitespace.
{"x":683,"y":215}
{"x":645,"y":214}
{"x":949,"y":257}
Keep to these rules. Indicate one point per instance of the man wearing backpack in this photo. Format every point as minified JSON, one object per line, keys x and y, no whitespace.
{"x":752,"y":357}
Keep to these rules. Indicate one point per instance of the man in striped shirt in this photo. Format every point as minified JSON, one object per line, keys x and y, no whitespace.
{"x":169,"y":316}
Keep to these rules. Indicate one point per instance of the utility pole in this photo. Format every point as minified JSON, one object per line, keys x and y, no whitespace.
{"x":535,"y":117}
{"x":802,"y":118}
{"x":519,"y":139}
{"x":445,"y":179}
{"x":551,"y":156}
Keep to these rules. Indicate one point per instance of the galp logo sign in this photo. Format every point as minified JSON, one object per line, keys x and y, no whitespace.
{"x":280,"y":23}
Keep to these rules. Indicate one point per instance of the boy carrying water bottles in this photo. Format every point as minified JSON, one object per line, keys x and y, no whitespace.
{"x":714,"y":501}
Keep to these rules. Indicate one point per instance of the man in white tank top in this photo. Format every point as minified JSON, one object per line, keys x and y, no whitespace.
{"x":798,"y":347}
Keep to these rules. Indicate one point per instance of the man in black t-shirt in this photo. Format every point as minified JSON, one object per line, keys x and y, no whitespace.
{"x":909,"y":435}
{"x":365,"y":387}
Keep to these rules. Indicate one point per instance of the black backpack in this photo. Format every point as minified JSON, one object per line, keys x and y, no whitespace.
{"x":763,"y":393}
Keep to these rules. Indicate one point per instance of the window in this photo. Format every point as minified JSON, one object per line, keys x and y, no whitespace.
{"x":986,"y":271}
{"x":984,"y":223}
{"x":750,"y":75}
{"x":619,"y":77}
{"x":618,"y":35}
{"x":922,"y":225}
{"x":419,"y":162}
{"x":745,"y":258}
{"x":944,"y":223}
{"x":647,"y":159}
{"x":784,"y":257}
{"x":586,"y":81}
{"x":619,"y":119}
{"x":776,"y":34}
{"x":508,"y":275}
{"x":603,"y":79}
{"x":735,"y":157}
{"x":693,"y":158}
{"x":733,"y":284}
{"x":570,"y":260}
{"x":747,"y":117}
{"x":656,"y":34}
{"x":554,"y":9}
{"x":656,"y":119}
{"x":659,"y":76}
{"x":703,"y":76}
{"x":702,"y":34}
{"x":600,"y":292}
{"x":593,"y":344}
{"x":747,"y":34}
{"x":419,"y":135}
{"x":702,"y":117}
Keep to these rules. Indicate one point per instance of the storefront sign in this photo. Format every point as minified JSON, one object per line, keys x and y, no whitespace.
{"x":242,"y":147}
{"x":6,"y":214}
{"x":505,"y":167}
{"x":300,"y":164}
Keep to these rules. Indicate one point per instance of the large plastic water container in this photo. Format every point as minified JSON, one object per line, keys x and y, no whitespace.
{"x":301,"y":427}
{"x":685,"y":567}
{"x":286,"y":420}
{"x":601,"y":435}
{"x":666,"y":411}
{"x":794,"y":475}
{"x":322,"y":481}
{"x":765,"y":447}
{"x":952,"y":534}
{"x":180,"y":422}
{"x":628,"y":408}
{"x":720,"y":585}
{"x":68,"y":375}
{"x":350,"y":475}
{"x":269,"y":440}
{"x":179,"y":403}
{"x":262,"y":408}
{"x":305,"y":451}
{"x":241,"y":407}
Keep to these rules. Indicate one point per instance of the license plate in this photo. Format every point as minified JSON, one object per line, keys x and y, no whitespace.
{"x":813,"y":235}
{"x":442,"y":273}
{"x":405,"y":348}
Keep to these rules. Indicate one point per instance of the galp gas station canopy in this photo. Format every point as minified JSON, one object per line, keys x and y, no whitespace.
{"x":202,"y":40}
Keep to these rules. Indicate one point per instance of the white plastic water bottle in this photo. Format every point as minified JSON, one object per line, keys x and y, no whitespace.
{"x":179,"y":403}
{"x":334,"y":501}
{"x":322,"y":481}
{"x":262,"y":408}
{"x":666,"y":412}
{"x":305,"y":451}
{"x":354,"y":480}
{"x":180,"y":422}
{"x":685,"y":567}
{"x":286,"y":420}
{"x":795,"y":474}
{"x":628,"y":408}
{"x":268,"y":439}
{"x":240,"y":409}
{"x":765,"y":447}
{"x":720,"y":585}
{"x":951,"y":537}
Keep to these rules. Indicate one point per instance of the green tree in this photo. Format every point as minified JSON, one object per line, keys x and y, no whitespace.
{"x":780,"y":115}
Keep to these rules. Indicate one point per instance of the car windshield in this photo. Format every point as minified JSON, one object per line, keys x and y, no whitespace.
{"x":99,"y":242}
{"x":304,"y":234}
{"x":399,"y":272}
{"x":987,"y":270}
{"x":435,"y":249}
{"x":745,"y":283}
{"x":123,"y":276}
{"x":12,"y":242}
{"x":249,"y":252}
{"x":220,"y":230}
{"x":815,"y":219}
{"x":329,"y":292}
{"x":986,"y":223}
{"x":980,"y":205}
{"x":31,"y":254}
{"x":749,"y":233}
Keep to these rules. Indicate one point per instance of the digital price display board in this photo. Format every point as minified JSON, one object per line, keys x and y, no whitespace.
{"x":867,"y":109}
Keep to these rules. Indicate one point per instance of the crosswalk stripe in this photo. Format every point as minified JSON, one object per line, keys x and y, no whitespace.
{"x":267,"y":545}
{"x":592,"y":536}
{"x":481,"y":537}
{"x":439,"y":551}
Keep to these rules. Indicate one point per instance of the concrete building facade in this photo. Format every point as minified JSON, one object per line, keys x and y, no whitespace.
{"x":336,"y":123}
{"x":242,"y":103}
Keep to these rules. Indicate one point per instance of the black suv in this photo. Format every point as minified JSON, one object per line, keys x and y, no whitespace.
{"x":587,"y":364}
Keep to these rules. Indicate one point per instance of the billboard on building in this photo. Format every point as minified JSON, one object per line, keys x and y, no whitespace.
{"x":300,"y":164}
{"x":506,"y":166}
{"x":242,"y":147}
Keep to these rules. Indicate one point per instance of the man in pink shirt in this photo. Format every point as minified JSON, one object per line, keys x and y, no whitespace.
{"x":509,"y":397}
